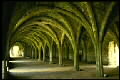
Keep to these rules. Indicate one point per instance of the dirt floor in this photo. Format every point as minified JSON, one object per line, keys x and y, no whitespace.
{"x":34,"y":69}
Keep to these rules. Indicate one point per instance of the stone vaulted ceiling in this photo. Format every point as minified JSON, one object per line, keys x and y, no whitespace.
{"x":38,"y":24}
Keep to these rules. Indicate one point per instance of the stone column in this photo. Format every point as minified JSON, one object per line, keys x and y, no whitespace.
{"x":40,"y":54}
{"x":44,"y":54}
{"x":99,"y":63}
{"x":76,"y":59}
{"x":51,"y":55}
{"x":60,"y":55}
{"x":32,"y":53}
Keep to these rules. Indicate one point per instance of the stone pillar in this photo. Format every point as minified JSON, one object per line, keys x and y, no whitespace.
{"x":51,"y":55}
{"x":76,"y":59}
{"x":60,"y":55}
{"x":76,"y":54}
{"x":44,"y":54}
{"x":84,"y":51}
{"x":99,"y":64}
{"x":32,"y":53}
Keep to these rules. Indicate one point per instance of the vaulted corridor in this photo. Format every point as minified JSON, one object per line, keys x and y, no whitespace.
{"x":60,"y":40}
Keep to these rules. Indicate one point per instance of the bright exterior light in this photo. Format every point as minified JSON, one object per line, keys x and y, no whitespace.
{"x":113,"y":54}
{"x":117,"y":54}
{"x":16,"y":52}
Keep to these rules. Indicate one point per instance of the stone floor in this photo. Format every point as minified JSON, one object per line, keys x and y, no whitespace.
{"x":34,"y":69}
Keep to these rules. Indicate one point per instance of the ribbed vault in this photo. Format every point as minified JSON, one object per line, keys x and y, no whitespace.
{"x":64,"y":24}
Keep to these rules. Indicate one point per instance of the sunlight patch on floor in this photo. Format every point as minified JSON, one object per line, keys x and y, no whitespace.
{"x":22,"y":61}
{"x":55,"y":69}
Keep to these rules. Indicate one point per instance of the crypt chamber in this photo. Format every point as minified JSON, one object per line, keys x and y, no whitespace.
{"x":60,"y":40}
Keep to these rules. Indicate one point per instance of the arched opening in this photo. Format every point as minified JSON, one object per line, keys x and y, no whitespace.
{"x":16,"y":51}
{"x":113,"y":54}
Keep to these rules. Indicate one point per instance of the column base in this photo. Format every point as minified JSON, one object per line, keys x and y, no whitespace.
{"x":50,"y":62}
{"x":76,"y":69}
